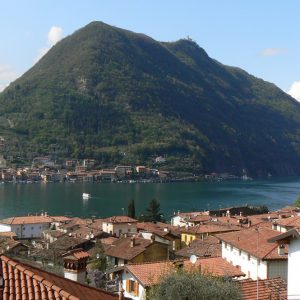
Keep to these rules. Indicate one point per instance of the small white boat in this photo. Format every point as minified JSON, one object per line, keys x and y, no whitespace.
{"x":86,"y":196}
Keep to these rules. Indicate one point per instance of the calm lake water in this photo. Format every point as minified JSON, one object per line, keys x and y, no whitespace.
{"x":109,"y":199}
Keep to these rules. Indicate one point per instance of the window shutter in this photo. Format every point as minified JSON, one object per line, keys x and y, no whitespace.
{"x":128,"y":286}
{"x":136,"y":288}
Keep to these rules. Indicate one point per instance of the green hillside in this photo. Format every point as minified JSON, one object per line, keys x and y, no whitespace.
{"x":122,"y":97}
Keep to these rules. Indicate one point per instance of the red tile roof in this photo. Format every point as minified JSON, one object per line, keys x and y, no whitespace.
{"x":151,"y":273}
{"x":215,"y":266}
{"x":22,"y":281}
{"x":255,"y":242}
{"x":289,"y":222}
{"x":33,"y":220}
{"x":119,"y":219}
{"x":210,"y":246}
{"x":121,"y":248}
{"x":211,"y":227}
{"x":268,"y":289}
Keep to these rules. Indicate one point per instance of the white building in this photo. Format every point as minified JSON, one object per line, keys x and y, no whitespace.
{"x":181,"y":219}
{"x":284,"y":225}
{"x":254,"y":254}
{"x":120,"y":226}
{"x":292,"y":238}
{"x":27,"y":226}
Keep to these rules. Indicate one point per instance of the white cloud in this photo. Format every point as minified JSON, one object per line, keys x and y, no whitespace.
{"x":295,"y":90}
{"x":7,"y":74}
{"x":55,"y":34}
{"x":273,"y":51}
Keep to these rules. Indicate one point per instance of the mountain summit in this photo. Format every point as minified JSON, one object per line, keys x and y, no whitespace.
{"x":122,"y":97}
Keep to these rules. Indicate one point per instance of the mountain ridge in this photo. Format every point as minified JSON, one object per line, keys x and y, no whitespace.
{"x":104,"y":91}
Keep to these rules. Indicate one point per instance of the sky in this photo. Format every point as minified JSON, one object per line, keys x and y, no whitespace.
{"x":259,"y":36}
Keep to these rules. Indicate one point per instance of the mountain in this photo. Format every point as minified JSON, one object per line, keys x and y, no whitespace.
{"x":122,"y":97}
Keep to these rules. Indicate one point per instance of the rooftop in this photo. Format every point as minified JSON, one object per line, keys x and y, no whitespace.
{"x":121,"y":248}
{"x":209,"y":247}
{"x":255,"y":242}
{"x":150,"y":273}
{"x":22,"y":281}
{"x":120,"y":219}
{"x":268,"y":289}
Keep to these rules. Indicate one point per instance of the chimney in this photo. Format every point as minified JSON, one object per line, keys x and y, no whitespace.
{"x":281,"y":249}
{"x":75,"y":262}
{"x":132,"y":242}
{"x":249,"y":223}
{"x":152,"y":238}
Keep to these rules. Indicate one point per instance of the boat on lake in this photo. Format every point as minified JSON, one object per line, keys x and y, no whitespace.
{"x":86,"y":196}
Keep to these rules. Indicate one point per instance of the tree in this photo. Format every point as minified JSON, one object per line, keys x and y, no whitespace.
{"x":98,"y":259}
{"x":131,"y":209}
{"x":183,"y":285}
{"x":297,"y":202}
{"x":153,"y":211}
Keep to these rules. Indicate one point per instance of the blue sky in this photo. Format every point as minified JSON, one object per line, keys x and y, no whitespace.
{"x":262,"y":37}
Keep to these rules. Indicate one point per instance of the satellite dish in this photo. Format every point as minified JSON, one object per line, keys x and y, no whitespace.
{"x":193,"y":259}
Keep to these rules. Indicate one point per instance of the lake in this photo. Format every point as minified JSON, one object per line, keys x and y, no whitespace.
{"x":112,"y":198}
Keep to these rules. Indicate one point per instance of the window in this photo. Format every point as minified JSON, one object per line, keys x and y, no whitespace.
{"x":226,"y":245}
{"x":240,"y":252}
{"x":231,"y":247}
{"x":249,"y":256}
{"x":31,"y":227}
{"x":132,"y":287}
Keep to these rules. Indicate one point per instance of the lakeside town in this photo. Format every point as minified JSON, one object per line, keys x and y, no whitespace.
{"x":44,"y":169}
{"x":121,"y":257}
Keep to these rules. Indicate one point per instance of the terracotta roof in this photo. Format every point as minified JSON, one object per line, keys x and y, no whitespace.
{"x":215,"y":266}
{"x":7,"y":244}
{"x":33,"y":220}
{"x":8,"y":234}
{"x":268,"y":289}
{"x":78,"y":254}
{"x":211,"y":227}
{"x":122,"y":248}
{"x":26,"y":220}
{"x":22,"y":281}
{"x":158,"y":226}
{"x":289,"y":222}
{"x":254,"y":241}
{"x":119,"y":219}
{"x":151,"y":273}
{"x":209,"y":247}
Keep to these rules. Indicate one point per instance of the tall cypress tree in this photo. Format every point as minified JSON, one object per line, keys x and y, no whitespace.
{"x":131,"y":209}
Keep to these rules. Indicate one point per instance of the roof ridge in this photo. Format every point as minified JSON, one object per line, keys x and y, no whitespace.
{"x":44,"y":281}
{"x":23,"y":265}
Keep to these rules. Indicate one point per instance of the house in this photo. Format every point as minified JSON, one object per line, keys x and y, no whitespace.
{"x":164,"y":233}
{"x":202,"y":230}
{"x":89,"y":163}
{"x":137,"y":279}
{"x":251,"y":250}
{"x":134,"y":250}
{"x":11,"y":246}
{"x":23,"y":281}
{"x":71,"y":163}
{"x":210,"y":246}
{"x":108,"y":175}
{"x":284,"y":225}
{"x":120,"y":225}
{"x":30,"y":226}
{"x":180,"y":219}
{"x":26,"y":226}
{"x":123,"y":171}
{"x":292,"y":239}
